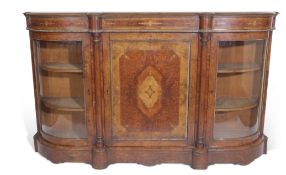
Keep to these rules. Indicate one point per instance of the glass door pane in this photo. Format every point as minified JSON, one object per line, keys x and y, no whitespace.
{"x":61,"y":88}
{"x":238,"y":88}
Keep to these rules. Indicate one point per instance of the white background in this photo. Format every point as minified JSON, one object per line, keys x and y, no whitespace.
{"x":17,"y":114}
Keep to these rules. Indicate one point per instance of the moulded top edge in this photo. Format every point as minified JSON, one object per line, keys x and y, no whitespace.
{"x":120,"y":14}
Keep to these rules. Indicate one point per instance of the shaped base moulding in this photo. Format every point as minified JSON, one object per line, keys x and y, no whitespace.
{"x":197,"y":158}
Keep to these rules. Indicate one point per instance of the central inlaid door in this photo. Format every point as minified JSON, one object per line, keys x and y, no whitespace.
{"x":149,"y":88}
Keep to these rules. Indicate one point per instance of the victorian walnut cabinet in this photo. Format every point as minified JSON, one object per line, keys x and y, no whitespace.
{"x":150,"y":88}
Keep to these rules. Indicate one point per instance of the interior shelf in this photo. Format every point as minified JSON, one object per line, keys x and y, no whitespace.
{"x":237,"y":68}
{"x":68,"y":68}
{"x":228,"y":104}
{"x":64,"y":103}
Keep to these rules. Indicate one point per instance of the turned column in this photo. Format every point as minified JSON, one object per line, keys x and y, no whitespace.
{"x":200,"y":153}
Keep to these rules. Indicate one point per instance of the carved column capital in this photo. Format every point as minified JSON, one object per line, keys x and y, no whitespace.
{"x":204,"y":38}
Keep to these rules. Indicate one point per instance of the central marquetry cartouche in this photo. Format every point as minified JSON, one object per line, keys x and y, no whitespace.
{"x":149,"y":91}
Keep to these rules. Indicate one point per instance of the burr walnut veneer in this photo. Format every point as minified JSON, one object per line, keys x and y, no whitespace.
{"x":150,"y":88}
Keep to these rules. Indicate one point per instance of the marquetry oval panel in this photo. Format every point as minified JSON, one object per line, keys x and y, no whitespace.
{"x":149,"y":83}
{"x":149,"y":91}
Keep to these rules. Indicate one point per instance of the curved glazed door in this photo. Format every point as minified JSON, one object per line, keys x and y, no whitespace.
{"x":238,"y":83}
{"x":62,"y":102}
{"x":150,"y":88}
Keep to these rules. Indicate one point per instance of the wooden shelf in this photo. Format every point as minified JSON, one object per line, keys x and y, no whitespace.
{"x":237,"y":68}
{"x":235,"y":104}
{"x":68,"y":68}
{"x":64,"y":104}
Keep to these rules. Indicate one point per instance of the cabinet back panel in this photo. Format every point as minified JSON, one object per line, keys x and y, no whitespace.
{"x":245,"y":85}
{"x":60,"y":52}
{"x":240,"y":52}
{"x":61,"y":84}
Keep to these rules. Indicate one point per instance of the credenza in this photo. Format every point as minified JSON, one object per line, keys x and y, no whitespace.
{"x":150,"y":88}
